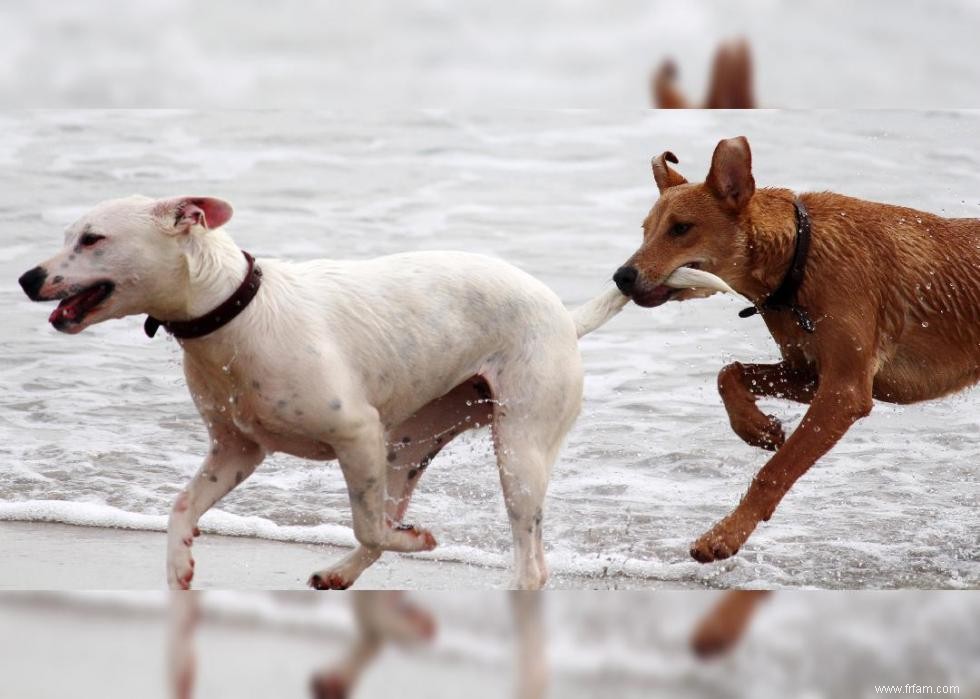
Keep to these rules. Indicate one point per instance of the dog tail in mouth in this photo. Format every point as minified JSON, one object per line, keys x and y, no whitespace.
{"x":689,"y":278}
{"x":599,"y":311}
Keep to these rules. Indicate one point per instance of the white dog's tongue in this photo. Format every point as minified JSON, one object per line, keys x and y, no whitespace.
{"x":688,"y":278}
{"x":74,"y":306}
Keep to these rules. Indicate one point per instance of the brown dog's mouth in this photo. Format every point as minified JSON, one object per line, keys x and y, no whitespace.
{"x":74,"y":309}
{"x":660,"y":294}
{"x":656,"y":296}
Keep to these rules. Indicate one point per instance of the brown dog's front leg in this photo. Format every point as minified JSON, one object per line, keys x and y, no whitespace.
{"x":840,"y":401}
{"x":725,"y":624}
{"x":740,"y":384}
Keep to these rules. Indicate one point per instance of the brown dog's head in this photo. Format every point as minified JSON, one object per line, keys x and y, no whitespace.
{"x":691,"y":226}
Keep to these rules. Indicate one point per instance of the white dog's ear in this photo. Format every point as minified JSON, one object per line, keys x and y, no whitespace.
{"x":187,"y":212}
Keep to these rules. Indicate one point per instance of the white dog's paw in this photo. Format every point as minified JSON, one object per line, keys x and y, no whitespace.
{"x":329,"y":686}
{"x":402,"y":621}
{"x":329,"y":580}
{"x":407,"y":538}
{"x":180,"y":565}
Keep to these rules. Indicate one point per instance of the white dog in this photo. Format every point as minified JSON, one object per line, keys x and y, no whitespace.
{"x":377,"y":363}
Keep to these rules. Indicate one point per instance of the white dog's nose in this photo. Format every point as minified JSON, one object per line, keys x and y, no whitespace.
{"x":32,"y":281}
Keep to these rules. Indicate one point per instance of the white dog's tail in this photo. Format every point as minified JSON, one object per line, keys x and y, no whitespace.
{"x":599,"y":311}
{"x":603,"y":307}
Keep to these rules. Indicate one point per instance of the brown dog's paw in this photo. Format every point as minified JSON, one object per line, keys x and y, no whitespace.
{"x":718,"y":633}
{"x":712,"y":640}
{"x":328,"y":687}
{"x":724,"y":539}
{"x":760,"y":430}
{"x":328,"y":582}
{"x":723,"y":627}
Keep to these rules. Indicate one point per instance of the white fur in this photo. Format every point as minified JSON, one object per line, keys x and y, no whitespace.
{"x":370,"y":362}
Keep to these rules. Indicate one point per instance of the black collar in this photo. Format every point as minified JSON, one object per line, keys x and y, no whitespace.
{"x":783,"y":297}
{"x":216,"y":318}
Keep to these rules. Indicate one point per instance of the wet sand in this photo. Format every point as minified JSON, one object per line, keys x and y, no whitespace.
{"x":51,"y":556}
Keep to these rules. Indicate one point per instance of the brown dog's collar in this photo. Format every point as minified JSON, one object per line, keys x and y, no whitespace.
{"x":218,"y":317}
{"x":783,"y":298}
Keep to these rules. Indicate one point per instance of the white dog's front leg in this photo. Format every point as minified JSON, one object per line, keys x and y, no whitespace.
{"x":181,"y":653}
{"x":232,"y":459}
{"x":363,"y":462}
{"x":362,"y":456}
{"x":383,"y":616}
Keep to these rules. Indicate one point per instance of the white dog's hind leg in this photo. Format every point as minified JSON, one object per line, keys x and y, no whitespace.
{"x":532,"y":657}
{"x":537,"y":405}
{"x":524,"y":478}
{"x":411,"y":447}
{"x":231,"y":460}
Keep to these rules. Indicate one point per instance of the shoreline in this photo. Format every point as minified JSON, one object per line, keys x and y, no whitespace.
{"x":55,"y":556}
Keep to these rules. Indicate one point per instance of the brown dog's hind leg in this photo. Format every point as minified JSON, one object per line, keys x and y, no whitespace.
{"x":740,"y":384}
{"x":725,"y":624}
{"x":842,"y":398}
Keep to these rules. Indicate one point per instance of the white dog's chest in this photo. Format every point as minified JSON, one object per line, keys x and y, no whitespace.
{"x":276,"y":420}
{"x":276,"y":433}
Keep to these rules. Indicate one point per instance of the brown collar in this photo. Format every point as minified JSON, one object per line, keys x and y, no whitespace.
{"x":216,"y":318}
{"x":783,"y":298}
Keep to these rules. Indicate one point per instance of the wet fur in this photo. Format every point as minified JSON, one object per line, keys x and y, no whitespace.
{"x":376,"y":363}
{"x":894,"y":293}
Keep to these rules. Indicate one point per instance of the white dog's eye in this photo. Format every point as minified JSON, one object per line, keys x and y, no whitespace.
{"x":90,"y":239}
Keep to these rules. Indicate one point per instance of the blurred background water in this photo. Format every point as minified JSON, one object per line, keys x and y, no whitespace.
{"x":486,"y":54}
{"x":100,"y":429}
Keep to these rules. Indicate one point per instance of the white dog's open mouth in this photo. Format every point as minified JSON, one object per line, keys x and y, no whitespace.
{"x":74,"y":309}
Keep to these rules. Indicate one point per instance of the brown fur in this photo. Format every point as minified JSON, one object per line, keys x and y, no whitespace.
{"x":731,"y":81}
{"x":894,"y":294}
{"x":722,"y":628}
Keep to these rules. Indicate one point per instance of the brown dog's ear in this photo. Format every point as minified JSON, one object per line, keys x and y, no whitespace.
{"x":663,"y":87}
{"x":664,"y":175}
{"x":730,"y":177}
{"x":731,"y":78}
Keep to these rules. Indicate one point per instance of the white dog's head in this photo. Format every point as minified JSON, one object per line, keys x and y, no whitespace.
{"x":125,"y":257}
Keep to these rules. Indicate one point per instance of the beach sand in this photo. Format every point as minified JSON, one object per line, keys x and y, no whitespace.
{"x":51,"y":556}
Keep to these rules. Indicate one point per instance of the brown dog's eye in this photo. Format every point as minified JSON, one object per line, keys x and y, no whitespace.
{"x":679,"y":229}
{"x":90,"y":239}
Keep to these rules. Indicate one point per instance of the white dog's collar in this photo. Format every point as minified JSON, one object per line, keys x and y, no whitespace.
{"x":216,"y":318}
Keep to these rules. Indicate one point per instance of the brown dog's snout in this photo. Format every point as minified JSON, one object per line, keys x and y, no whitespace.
{"x":32,"y":281}
{"x":625,"y":278}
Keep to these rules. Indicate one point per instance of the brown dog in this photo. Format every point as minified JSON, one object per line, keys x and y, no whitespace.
{"x":886,"y":305}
